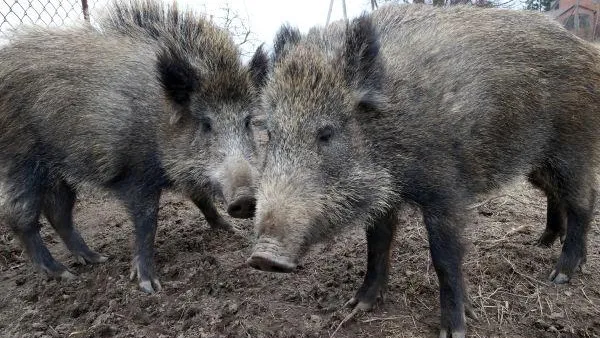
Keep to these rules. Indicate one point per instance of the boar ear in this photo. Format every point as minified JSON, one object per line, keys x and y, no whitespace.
{"x":178,"y":79}
{"x":362,"y":67}
{"x":286,"y":38}
{"x":259,"y":67}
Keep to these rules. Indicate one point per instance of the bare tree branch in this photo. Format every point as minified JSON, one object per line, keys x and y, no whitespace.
{"x":231,"y":19}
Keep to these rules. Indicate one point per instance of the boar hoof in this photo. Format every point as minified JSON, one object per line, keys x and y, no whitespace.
{"x":456,"y":334}
{"x":548,"y":238}
{"x":367,"y":296}
{"x":55,"y":270}
{"x":148,"y":284}
{"x":565,"y":268}
{"x":361,"y":305}
{"x":67,"y":275}
{"x":559,"y":278}
{"x":91,"y":257}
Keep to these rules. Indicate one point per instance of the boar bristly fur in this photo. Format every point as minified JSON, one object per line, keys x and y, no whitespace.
{"x":433,"y":107}
{"x":155,"y":98}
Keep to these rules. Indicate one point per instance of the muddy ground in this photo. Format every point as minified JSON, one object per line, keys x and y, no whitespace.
{"x":210,"y":292}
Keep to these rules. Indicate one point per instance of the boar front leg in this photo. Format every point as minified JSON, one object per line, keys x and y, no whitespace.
{"x":142,"y":205}
{"x":211,"y":214}
{"x":379,"y":243}
{"x":443,"y":229}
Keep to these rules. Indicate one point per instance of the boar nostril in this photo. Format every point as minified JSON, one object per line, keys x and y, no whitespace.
{"x":256,"y":263}
{"x":243,"y":207}
{"x":265,"y":264}
{"x":234,"y":208}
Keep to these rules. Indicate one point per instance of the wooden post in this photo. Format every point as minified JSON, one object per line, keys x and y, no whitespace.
{"x":576,"y":19}
{"x":331,"y":7}
{"x":329,"y":13}
{"x":373,"y":5}
{"x":86,"y":11}
{"x":595,"y":25}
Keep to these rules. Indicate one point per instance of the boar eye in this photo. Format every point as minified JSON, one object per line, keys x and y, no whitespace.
{"x":325,"y":134}
{"x":247,"y":121}
{"x":206,"y":125}
{"x":268,"y":135}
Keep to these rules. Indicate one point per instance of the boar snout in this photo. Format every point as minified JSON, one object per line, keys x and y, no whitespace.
{"x":268,"y":255}
{"x":236,"y":179}
{"x":243,"y":206}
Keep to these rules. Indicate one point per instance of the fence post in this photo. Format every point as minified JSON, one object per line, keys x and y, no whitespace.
{"x":86,"y":13}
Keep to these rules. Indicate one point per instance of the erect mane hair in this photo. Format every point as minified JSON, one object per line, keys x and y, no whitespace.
{"x":185,"y":36}
{"x":164,"y":22}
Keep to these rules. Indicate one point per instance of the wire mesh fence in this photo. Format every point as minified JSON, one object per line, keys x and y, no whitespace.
{"x":45,"y":12}
{"x":50,"y":13}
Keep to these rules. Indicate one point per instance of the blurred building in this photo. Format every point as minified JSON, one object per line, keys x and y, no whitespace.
{"x":578,"y":16}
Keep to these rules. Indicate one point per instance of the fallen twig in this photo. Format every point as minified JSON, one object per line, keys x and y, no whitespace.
{"x":381,"y":319}
{"x":347,"y":318}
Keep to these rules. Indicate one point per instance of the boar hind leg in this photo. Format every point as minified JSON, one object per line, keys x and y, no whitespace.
{"x":212,"y":216}
{"x":578,"y":193}
{"x":379,"y":243}
{"x":443,"y":229}
{"x":142,"y":205}
{"x":556,"y":211}
{"x":21,"y":212}
{"x":58,"y":203}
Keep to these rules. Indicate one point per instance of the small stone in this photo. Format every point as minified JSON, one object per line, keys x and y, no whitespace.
{"x":28,"y":314}
{"x":556,"y":315}
{"x":315,"y":318}
{"x":486,"y":213}
{"x":232,"y":308}
{"x":101,"y":319}
{"x":104,"y":330}
{"x":62,"y":327}
{"x":541,"y":324}
{"x":38,"y":326}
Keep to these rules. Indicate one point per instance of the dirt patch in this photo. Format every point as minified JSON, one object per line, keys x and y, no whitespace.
{"x":209,"y":292}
